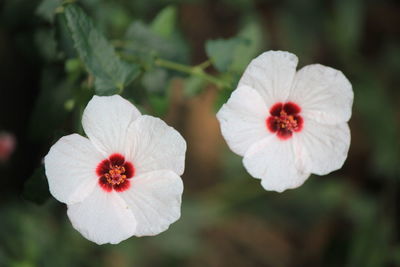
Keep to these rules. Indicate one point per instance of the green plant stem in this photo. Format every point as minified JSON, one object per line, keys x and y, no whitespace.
{"x":197,"y":71}
{"x":204,"y":64}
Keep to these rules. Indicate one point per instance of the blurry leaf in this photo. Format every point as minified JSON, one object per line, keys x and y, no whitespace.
{"x":345,"y":29}
{"x":46,"y":44}
{"x":145,"y":44}
{"x":222,"y":98}
{"x":236,"y":53}
{"x":248,"y":50}
{"x":111,"y":74}
{"x":373,"y":101}
{"x":193,"y":86}
{"x":49,"y":113}
{"x":396,"y":255}
{"x":65,"y":44}
{"x":300,"y":29}
{"x":390,"y":59}
{"x":164,"y":23}
{"x":111,"y":17}
{"x":69,"y":104}
{"x":36,"y":188}
{"x":222,"y":52}
{"x":160,"y":101}
{"x":243,"y":5}
{"x":184,"y":237}
{"x":316,"y":199}
{"x":47,"y":8}
{"x":74,"y":69}
{"x":155,"y":80}
{"x":370,"y":244}
{"x":31,"y":234}
{"x":159,"y":104}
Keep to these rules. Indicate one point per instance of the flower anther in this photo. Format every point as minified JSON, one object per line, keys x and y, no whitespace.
{"x":284,"y":119}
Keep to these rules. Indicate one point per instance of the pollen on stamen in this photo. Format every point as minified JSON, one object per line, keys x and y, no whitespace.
{"x":284,"y":119}
{"x":114,"y":173}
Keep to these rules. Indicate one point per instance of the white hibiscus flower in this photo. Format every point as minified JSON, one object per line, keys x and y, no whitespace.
{"x":288,"y":124}
{"x":123,"y":179}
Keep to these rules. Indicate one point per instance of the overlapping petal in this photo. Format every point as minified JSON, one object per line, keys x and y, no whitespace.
{"x":326,"y":145}
{"x":70,"y":168}
{"x":155,"y":200}
{"x":325,"y":94}
{"x":243,"y":119}
{"x":271,"y":74}
{"x":103,"y":217}
{"x":106,"y":120}
{"x":153,"y":145}
{"x":280,"y":164}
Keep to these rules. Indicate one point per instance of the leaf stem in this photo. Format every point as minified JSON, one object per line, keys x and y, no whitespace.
{"x":196,"y":71}
{"x":204,"y":64}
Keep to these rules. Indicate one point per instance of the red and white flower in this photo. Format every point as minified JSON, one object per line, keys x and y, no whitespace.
{"x":288,"y":124}
{"x":123,"y":179}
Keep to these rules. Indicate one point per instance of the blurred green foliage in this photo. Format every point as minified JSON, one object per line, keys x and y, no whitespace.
{"x":110,"y":73}
{"x":147,"y":51}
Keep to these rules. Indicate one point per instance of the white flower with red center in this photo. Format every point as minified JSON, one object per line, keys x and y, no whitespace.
{"x":288,"y":124}
{"x":124,"y":179}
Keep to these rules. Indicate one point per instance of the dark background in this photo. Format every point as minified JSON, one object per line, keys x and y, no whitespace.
{"x":348,"y":218}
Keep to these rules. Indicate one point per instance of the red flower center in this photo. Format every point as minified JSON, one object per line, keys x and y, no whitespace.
{"x":114,"y":173}
{"x":284,"y":119}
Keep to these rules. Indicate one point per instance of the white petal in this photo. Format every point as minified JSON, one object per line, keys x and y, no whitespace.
{"x":280,"y":164}
{"x":271,"y":74}
{"x":71,"y":168}
{"x":243,"y":119}
{"x":155,"y":200}
{"x":106,"y":120}
{"x":323,"y":93}
{"x":103,"y":217}
{"x":326,"y":145}
{"x":153,"y":145}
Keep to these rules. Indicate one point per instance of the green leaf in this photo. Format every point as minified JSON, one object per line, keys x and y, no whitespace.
{"x":193,"y":86}
{"x":159,"y":104}
{"x":373,"y":100}
{"x":74,"y":68}
{"x":248,"y":50}
{"x":155,"y":80}
{"x":110,"y":72}
{"x":345,"y":30}
{"x":235,"y":54}
{"x":222,"y":98}
{"x":65,"y":44}
{"x":371,"y":240}
{"x":145,"y":44}
{"x":48,"y":112}
{"x":36,"y":188}
{"x":110,"y":16}
{"x":222,"y":51}
{"x":46,"y":44}
{"x":164,"y":23}
{"x":47,"y":8}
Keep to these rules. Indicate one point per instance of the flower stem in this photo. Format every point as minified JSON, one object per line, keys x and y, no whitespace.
{"x":196,"y":70}
{"x":204,"y":64}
